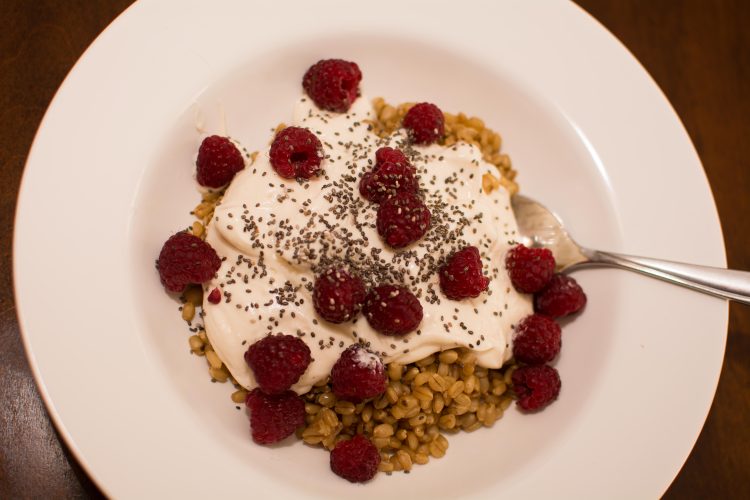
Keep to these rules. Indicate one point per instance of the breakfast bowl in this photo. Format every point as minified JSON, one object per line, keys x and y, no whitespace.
{"x":588,"y":131}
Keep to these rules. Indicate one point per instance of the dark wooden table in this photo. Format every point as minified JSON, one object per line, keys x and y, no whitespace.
{"x":698,"y":51}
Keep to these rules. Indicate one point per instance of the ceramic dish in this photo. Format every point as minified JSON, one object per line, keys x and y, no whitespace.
{"x":109,"y":177}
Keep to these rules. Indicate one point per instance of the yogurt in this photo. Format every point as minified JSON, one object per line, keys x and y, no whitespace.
{"x":275,"y":234}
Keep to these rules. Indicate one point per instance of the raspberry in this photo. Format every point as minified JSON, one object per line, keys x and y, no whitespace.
{"x":333,"y":84}
{"x":274,"y":416}
{"x":296,"y":153}
{"x":386,"y":181}
{"x":358,"y":374}
{"x":218,"y":161}
{"x":425,"y":123}
{"x":536,"y":386}
{"x":537,"y":340}
{"x":215,"y":296}
{"x":278,"y":362}
{"x":562,"y":296}
{"x":337,"y":295}
{"x":392,"y":310}
{"x":402,"y":219}
{"x":391,"y":155}
{"x":461,"y":277}
{"x":356,"y":459}
{"x":186,"y":259}
{"x":529,"y":268}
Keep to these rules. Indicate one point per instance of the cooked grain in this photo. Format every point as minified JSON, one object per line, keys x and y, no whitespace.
{"x":239,"y":396}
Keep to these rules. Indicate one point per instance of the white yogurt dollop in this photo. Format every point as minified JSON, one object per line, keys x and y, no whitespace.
{"x":274,"y":234}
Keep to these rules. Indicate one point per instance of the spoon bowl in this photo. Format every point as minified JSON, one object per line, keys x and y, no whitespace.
{"x":540,"y":227}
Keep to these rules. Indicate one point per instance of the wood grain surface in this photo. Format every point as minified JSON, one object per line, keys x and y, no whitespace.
{"x":698,"y":51}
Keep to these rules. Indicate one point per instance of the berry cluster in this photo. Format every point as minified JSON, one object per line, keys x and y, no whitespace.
{"x":276,"y":411}
{"x":357,"y":375}
{"x":403,"y":218}
{"x":538,"y":337}
{"x":532,"y":270}
{"x":338,"y":296}
{"x":277,"y":361}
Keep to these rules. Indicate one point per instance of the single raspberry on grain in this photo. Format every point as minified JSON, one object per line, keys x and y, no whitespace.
{"x":392,"y":310}
{"x":461,"y":276}
{"x":333,"y":84}
{"x":562,"y":296}
{"x":278,"y":361}
{"x":215,"y":296}
{"x":355,"y":459}
{"x":358,"y":375}
{"x":425,"y":123}
{"x":535,"y":386}
{"x":402,"y":219}
{"x":338,"y":296}
{"x":387,"y":180}
{"x":274,"y":416}
{"x":218,"y":162}
{"x":296,"y":153}
{"x":185,"y":260}
{"x":537,"y":340}
{"x":530,"y":269}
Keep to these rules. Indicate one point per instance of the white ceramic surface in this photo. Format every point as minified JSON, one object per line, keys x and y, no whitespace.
{"x":110,"y":177}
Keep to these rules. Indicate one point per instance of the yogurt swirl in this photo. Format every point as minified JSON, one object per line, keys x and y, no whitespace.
{"x":275,"y":234}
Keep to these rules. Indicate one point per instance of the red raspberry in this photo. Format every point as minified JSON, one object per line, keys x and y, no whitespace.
{"x":386,"y":181}
{"x":536,"y":386}
{"x":537,"y":340}
{"x":390,"y":155}
{"x":274,"y":416}
{"x":358,"y":374}
{"x":215,"y":296}
{"x":356,"y":459}
{"x":218,"y":161}
{"x":296,"y":153}
{"x":529,"y":268}
{"x":186,"y":259}
{"x":562,"y":296}
{"x":425,"y":123}
{"x":392,"y":310}
{"x":461,"y":277}
{"x":278,"y":361}
{"x":333,"y":84}
{"x":337,"y":295}
{"x":402,"y":219}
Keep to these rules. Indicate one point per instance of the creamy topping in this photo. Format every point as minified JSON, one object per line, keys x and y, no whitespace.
{"x":275,"y":234}
{"x":366,"y":359}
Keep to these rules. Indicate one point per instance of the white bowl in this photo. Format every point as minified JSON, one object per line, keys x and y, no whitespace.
{"x":587,"y":129}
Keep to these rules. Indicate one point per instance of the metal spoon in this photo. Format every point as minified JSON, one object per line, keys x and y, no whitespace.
{"x":541,"y":228}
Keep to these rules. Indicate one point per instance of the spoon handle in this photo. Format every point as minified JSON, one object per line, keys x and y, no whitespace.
{"x":725,"y":283}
